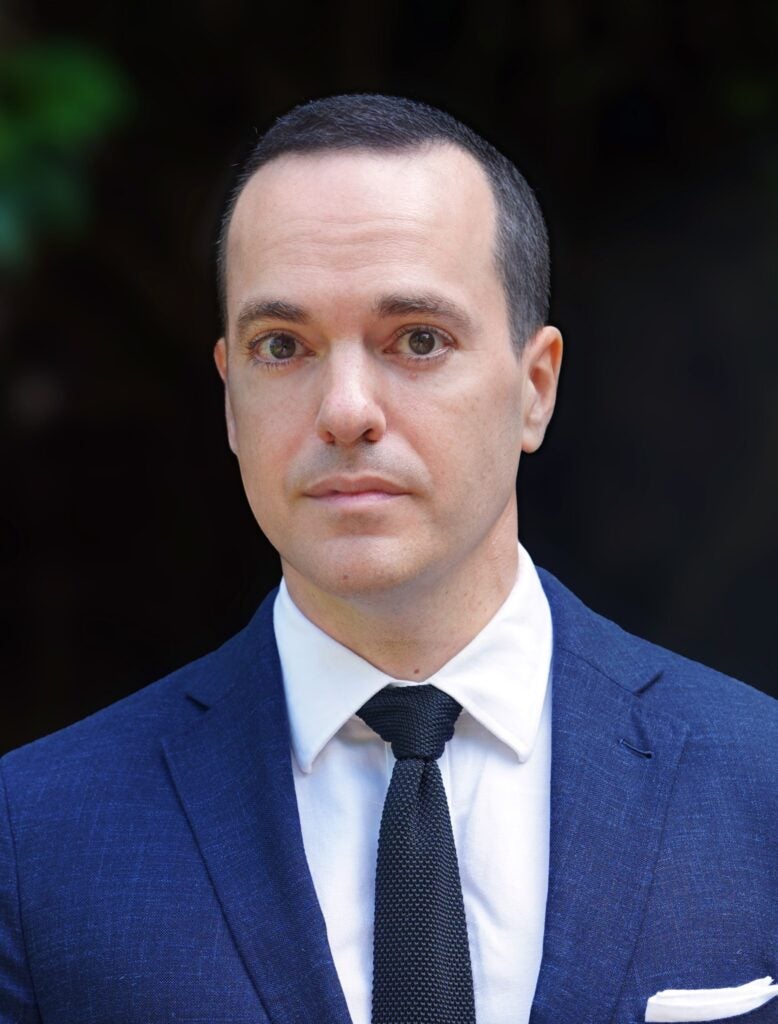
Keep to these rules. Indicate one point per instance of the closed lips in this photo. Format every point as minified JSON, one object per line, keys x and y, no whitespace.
{"x":359,"y":485}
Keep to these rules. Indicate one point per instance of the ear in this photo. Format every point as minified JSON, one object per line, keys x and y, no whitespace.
{"x":542,"y":359}
{"x":220,"y":358}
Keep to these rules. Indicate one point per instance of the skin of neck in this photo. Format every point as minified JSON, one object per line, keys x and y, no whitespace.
{"x":412,"y":631}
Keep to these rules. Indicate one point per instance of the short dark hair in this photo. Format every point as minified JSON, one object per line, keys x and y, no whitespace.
{"x":393,"y":123}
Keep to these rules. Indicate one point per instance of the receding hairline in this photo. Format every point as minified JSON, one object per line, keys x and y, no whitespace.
{"x":422,"y":147}
{"x":326,"y":152}
{"x":395,"y":124}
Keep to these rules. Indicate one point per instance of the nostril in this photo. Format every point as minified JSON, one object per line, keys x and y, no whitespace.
{"x":349,"y":418}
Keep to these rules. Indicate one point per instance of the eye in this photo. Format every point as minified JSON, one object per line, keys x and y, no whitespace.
{"x":421,"y":342}
{"x":278,"y":347}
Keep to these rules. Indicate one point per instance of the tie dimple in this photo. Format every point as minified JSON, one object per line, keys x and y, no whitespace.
{"x":421,"y":956}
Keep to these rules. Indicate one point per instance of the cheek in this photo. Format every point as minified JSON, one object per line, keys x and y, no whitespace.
{"x":501,"y":412}
{"x":264,"y":442}
{"x":471,"y":444}
{"x":491,"y":442}
{"x":488,"y":417}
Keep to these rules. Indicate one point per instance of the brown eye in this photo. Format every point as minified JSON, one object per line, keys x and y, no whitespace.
{"x":421,"y":343}
{"x":281,"y":346}
{"x":275,"y":348}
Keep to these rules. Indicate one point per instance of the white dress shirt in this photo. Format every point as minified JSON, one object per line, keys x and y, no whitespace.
{"x":496,"y":773}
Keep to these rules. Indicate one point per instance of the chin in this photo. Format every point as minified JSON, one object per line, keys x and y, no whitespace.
{"x":364,"y":568}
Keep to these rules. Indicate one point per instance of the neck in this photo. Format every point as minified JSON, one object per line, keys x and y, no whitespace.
{"x":413,"y":631}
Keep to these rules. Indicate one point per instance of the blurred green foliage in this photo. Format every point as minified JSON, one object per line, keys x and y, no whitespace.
{"x":58,"y":101}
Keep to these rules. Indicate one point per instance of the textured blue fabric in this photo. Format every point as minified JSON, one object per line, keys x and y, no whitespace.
{"x":152,"y":866}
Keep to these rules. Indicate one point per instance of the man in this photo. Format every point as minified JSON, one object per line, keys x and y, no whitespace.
{"x":424,"y":783}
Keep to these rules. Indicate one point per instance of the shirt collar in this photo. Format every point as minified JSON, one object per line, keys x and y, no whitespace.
{"x":500,"y":677}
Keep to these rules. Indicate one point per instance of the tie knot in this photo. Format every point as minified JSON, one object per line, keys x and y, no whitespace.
{"x":417,"y":720}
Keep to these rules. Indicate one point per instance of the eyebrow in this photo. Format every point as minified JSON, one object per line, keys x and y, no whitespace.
{"x":270,"y":309}
{"x":392,"y":305}
{"x":424,"y":304}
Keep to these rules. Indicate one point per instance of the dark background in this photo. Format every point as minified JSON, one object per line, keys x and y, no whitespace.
{"x":650,"y":132}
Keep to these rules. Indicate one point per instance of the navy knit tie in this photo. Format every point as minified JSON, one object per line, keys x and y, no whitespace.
{"x":421,"y":958}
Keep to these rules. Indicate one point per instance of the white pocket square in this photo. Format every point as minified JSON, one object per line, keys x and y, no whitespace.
{"x":695,"y":1004}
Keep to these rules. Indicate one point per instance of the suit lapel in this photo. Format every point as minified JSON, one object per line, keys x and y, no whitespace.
{"x":608,"y":804}
{"x":233,"y":774}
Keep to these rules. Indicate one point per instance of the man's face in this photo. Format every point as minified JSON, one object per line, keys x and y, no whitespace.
{"x":374,"y":399}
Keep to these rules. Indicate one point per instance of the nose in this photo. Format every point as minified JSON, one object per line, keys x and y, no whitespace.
{"x":350,"y":410}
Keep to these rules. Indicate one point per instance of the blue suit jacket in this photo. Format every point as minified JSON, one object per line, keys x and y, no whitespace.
{"x":152,"y":866}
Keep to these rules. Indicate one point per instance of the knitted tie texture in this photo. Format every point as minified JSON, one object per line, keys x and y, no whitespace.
{"x":421,"y":957}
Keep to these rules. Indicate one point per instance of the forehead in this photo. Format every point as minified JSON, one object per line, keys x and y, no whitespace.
{"x":351,"y":218}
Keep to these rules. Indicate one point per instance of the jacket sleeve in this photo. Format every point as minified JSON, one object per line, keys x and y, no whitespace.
{"x":17,"y":999}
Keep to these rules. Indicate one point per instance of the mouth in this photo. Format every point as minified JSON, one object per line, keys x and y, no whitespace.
{"x":348,"y":492}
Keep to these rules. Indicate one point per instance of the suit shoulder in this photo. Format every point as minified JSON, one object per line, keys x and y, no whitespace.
{"x":712,"y":703}
{"x":715,"y":705}
{"x":121,"y":731}
{"x":130,"y":721}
